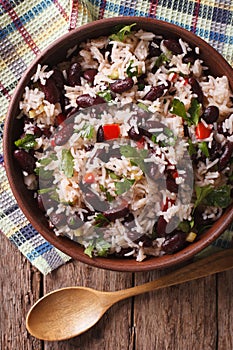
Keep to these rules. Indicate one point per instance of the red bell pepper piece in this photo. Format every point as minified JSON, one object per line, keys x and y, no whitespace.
{"x":111,"y":131}
{"x":202,"y":132}
{"x":89,"y":178}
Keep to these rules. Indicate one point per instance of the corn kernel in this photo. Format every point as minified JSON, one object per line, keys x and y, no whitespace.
{"x":191,"y":237}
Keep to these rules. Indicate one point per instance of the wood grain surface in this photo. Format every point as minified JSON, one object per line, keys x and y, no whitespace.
{"x":197,"y":315}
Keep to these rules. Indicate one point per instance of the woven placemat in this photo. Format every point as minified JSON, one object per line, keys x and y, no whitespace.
{"x":27,"y":27}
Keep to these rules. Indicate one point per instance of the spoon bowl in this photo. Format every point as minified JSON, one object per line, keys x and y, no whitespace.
{"x":72,"y":311}
{"x":68,"y":312}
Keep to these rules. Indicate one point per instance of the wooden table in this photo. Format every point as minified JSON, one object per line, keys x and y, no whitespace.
{"x":194,"y":316}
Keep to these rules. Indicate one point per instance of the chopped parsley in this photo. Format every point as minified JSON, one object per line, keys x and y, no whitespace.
{"x":106,"y":94}
{"x":122,"y":33}
{"x":136,"y":156}
{"x":87,"y":132}
{"x":143,"y":106}
{"x":109,"y":197}
{"x":201,"y":194}
{"x":100,"y":220}
{"x":161,"y":60}
{"x":193,"y":115}
{"x":132,"y":71}
{"x":67,"y":164}
{"x":27,"y":142}
{"x":219,"y":197}
{"x":194,"y":111}
{"x":123,"y":186}
{"x":204,"y":148}
{"x":100,"y":247}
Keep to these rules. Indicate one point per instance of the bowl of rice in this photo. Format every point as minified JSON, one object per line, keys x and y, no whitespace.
{"x":118,"y":144}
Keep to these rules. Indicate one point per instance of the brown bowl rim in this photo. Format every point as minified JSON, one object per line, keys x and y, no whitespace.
{"x":65,"y":244}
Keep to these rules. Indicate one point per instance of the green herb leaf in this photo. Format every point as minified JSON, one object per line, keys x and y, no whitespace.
{"x":191,"y":148}
{"x":45,"y":190}
{"x":87,"y":131}
{"x":136,"y":156}
{"x":67,"y":165}
{"x":123,"y":186}
{"x":102,"y":247}
{"x":185,"y":226}
{"x":27,"y":142}
{"x":109,"y":197}
{"x":204,"y":148}
{"x":201,"y":193}
{"x":161,"y":60}
{"x":195,"y":111}
{"x":142,"y":106}
{"x":89,"y":250}
{"x":114,"y":176}
{"x":219,"y":197}
{"x":178,"y":108}
{"x":43,"y":174}
{"x":107,"y":96}
{"x":131,"y":70}
{"x":122,"y":33}
{"x":101,"y":220}
{"x":48,"y":159}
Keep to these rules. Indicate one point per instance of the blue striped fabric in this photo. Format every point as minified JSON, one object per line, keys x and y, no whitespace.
{"x":27,"y":27}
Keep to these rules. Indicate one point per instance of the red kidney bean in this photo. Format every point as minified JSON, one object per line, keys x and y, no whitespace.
{"x":133,"y":135}
{"x":118,"y":212}
{"x":145,"y":132}
{"x":174,"y":243}
{"x":189,"y":58}
{"x":226,"y":156}
{"x":45,"y":202}
{"x":173,"y":46}
{"x":63,"y":135}
{"x":128,"y":219}
{"x":154,"y":51}
{"x":90,"y":74}
{"x":100,"y":134}
{"x":25,"y":160}
{"x":58,"y":78}
{"x":57,"y":219}
{"x":51,"y":91}
{"x":156,"y":92}
{"x":196,"y":89}
{"x":74,"y":74}
{"x":37,"y":132}
{"x":161,"y":227}
{"x":74,"y":222}
{"x":86,"y":100}
{"x":210,"y":114}
{"x":121,"y":85}
{"x":94,"y":200}
{"x":147,"y":241}
{"x":171,"y":185}
{"x":171,"y":182}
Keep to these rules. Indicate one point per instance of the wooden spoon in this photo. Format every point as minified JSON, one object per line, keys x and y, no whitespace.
{"x":68,"y":312}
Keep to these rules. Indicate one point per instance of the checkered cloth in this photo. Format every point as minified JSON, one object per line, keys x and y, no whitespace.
{"x":27,"y":27}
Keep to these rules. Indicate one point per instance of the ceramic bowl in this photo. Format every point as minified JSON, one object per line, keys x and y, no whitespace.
{"x":13,"y":129}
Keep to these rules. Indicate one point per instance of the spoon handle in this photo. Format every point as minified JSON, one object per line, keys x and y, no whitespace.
{"x":210,"y":265}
